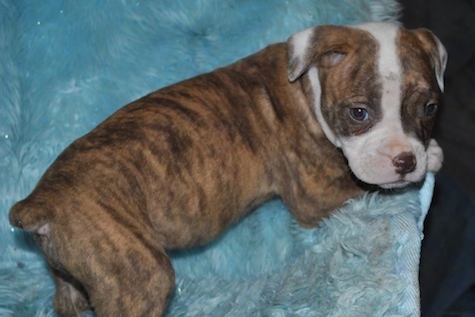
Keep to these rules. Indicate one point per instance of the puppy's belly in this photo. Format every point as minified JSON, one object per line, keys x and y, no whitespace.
{"x":199,"y":204}
{"x":200,"y":220}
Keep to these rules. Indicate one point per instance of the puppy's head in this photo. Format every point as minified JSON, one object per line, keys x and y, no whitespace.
{"x":375,"y":89}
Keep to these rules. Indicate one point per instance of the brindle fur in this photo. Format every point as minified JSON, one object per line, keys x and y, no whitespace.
{"x":173,"y":170}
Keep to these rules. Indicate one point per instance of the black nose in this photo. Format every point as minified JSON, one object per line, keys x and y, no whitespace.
{"x":405,"y":162}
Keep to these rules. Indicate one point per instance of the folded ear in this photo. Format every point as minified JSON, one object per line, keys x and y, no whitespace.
{"x":436,"y":50}
{"x":324,"y":45}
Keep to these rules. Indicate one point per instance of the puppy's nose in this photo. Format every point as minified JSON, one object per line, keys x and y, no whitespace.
{"x":405,"y":162}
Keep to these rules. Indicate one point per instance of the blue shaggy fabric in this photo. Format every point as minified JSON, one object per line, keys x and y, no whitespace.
{"x":66,"y":65}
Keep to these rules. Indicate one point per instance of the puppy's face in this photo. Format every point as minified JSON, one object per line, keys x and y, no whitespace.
{"x":375,"y":90}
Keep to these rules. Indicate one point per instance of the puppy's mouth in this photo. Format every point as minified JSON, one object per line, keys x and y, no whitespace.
{"x":395,"y":185}
{"x":385,"y":177}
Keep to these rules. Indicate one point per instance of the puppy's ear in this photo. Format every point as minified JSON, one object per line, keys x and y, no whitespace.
{"x":323,"y":45}
{"x":436,"y":50}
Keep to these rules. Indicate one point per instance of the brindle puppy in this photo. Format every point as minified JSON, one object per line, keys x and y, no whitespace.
{"x":178,"y":166}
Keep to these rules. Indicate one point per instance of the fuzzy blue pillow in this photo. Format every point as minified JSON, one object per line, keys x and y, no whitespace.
{"x":66,"y":65}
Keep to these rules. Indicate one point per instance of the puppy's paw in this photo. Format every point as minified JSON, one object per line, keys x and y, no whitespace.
{"x":435,"y":156}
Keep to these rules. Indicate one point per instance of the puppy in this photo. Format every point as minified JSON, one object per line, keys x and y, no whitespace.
{"x":311,"y":120}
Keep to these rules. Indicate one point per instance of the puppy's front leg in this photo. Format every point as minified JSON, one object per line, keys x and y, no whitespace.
{"x":315,"y":198}
{"x":435,"y":156}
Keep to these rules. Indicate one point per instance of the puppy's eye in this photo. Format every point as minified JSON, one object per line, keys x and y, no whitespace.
{"x":430,"y":109}
{"x":359,"y":114}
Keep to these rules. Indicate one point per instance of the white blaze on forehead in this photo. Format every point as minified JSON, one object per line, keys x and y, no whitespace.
{"x":389,"y":69}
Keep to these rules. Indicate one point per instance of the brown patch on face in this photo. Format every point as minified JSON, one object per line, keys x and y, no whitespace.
{"x":420,"y":59}
{"x":351,"y":83}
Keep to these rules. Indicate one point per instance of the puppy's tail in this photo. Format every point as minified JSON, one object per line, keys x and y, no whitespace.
{"x":29,"y":215}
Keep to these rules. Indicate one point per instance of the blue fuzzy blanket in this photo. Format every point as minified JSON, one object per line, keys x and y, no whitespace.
{"x":66,"y":65}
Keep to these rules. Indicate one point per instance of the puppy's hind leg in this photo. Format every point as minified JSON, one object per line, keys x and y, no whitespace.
{"x":134,"y":277}
{"x":70,"y":298}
